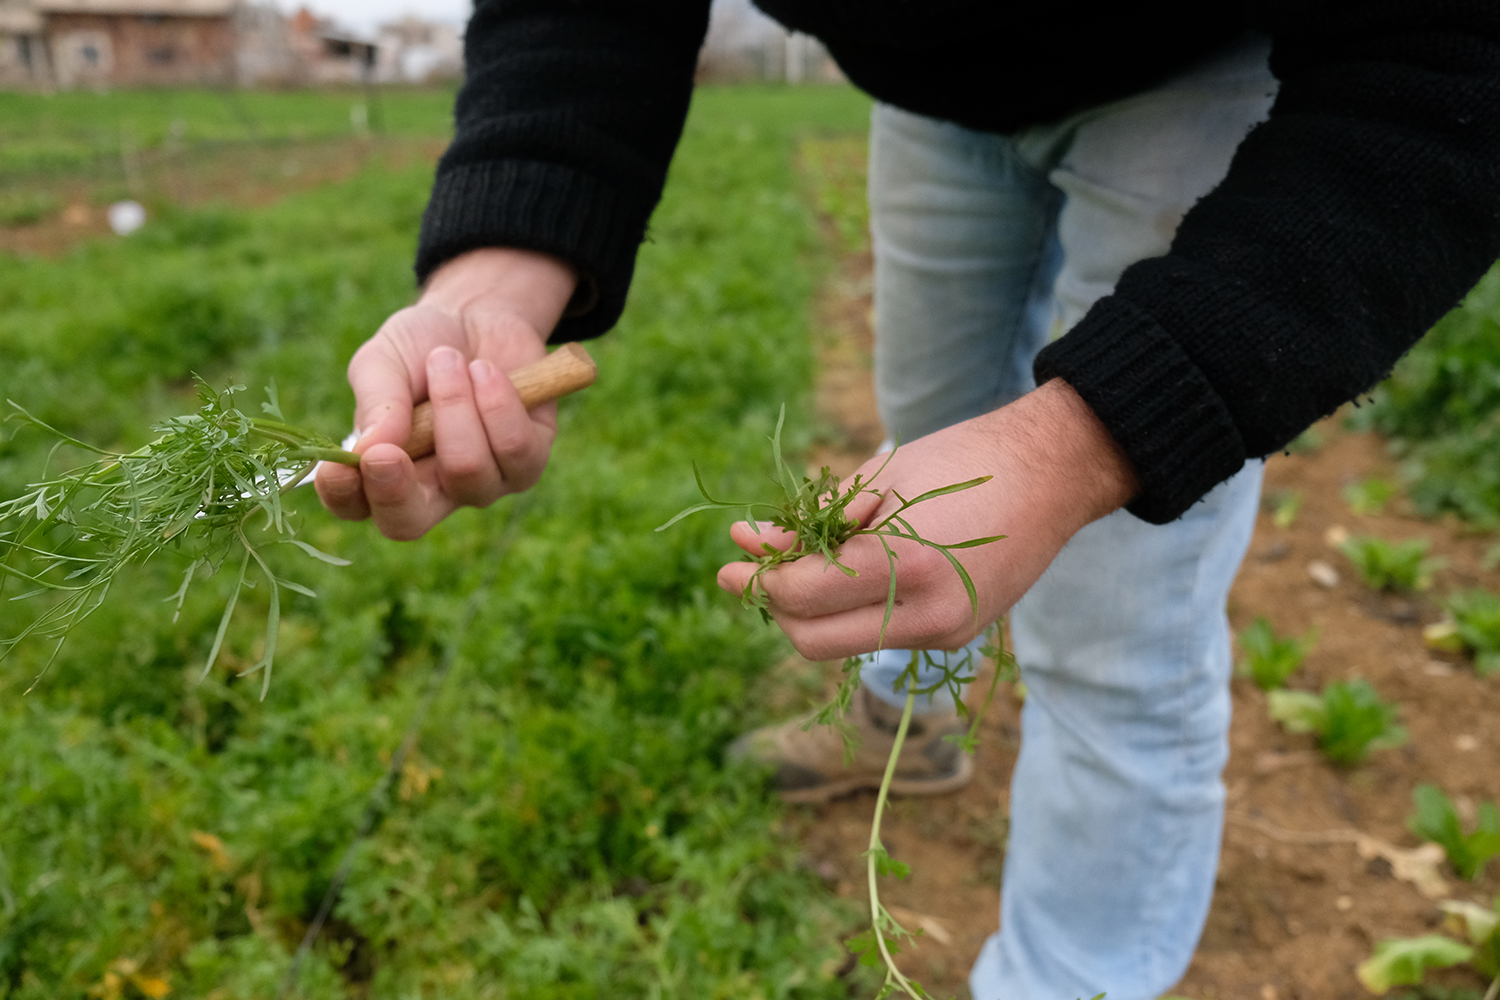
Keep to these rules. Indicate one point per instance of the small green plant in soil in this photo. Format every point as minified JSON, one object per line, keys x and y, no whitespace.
{"x":815,"y":512}
{"x":1349,"y":719}
{"x":1369,"y":497}
{"x":1394,"y":566}
{"x":1404,"y":961}
{"x":1437,"y":820}
{"x":1473,"y":627}
{"x":1283,"y":506}
{"x":1270,"y":659}
{"x":195,"y":489}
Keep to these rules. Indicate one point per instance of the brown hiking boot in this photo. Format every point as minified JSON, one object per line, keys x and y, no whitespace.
{"x":810,"y":764}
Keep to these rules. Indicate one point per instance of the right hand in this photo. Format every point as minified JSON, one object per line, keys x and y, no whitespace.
{"x":481,"y":315}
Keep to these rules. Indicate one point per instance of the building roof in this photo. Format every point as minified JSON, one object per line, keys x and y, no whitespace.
{"x":19,"y":18}
{"x":175,"y":8}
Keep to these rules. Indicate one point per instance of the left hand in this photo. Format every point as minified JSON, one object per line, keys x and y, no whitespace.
{"x":1055,"y":469}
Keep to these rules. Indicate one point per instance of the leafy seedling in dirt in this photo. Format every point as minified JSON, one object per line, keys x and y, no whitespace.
{"x":1437,"y":820}
{"x":1473,"y":626}
{"x":1404,"y":961}
{"x":1369,"y":497}
{"x":815,"y":512}
{"x":1349,"y":719}
{"x":1270,"y":659}
{"x":1387,"y":565}
{"x":196,"y":489}
{"x":1283,"y":505}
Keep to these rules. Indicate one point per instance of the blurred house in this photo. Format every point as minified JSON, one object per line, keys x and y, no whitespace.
{"x":416,"y":51}
{"x":102,"y":43}
{"x":23,"y":49}
{"x":133,"y":43}
{"x":744,"y":44}
{"x":263,"y":47}
{"x":328,"y":53}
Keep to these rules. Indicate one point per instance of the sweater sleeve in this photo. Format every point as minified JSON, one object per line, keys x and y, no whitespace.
{"x":1364,"y":208}
{"x":565,"y":125}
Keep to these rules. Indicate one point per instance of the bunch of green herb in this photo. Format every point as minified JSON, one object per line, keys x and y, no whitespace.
{"x":815,"y":511}
{"x":1349,"y":719}
{"x":1437,"y":820}
{"x":196,"y":489}
{"x":1269,"y":658}
{"x":1387,"y":565}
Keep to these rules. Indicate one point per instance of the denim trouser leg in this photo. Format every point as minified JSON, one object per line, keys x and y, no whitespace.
{"x":966,"y":253}
{"x":984,"y":245}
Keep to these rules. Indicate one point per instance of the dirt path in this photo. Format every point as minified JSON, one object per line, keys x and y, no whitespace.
{"x":1298,"y":905}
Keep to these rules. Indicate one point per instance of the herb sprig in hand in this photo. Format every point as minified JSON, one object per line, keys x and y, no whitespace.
{"x":197,"y":489}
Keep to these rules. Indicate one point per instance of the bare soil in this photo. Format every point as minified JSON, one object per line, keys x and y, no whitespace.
{"x":1300,"y":899}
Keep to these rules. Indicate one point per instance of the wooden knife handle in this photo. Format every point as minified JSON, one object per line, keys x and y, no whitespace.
{"x":565,"y":370}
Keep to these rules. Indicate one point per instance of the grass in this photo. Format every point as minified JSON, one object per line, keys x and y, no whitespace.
{"x":564,"y":827}
{"x":73,"y":130}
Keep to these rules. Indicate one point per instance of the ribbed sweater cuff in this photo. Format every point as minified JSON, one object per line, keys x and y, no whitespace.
{"x":1154,"y":400}
{"x":539,"y":206}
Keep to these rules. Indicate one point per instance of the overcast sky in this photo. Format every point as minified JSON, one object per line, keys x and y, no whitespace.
{"x":364,"y":15}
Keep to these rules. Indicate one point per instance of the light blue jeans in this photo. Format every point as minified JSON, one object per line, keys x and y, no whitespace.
{"x":986,"y":246}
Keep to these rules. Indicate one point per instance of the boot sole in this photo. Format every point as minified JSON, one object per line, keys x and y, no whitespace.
{"x":819,"y":794}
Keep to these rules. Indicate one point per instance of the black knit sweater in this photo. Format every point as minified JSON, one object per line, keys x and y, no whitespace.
{"x":1355,"y":216}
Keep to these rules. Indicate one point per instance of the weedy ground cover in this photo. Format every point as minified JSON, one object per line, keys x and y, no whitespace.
{"x":1270,"y":659}
{"x":565,"y":827}
{"x":1442,"y":408}
{"x":1349,"y":719}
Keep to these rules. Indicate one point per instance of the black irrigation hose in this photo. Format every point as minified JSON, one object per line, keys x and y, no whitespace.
{"x":376,"y":807}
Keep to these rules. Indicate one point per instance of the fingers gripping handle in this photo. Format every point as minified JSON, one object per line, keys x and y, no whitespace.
{"x":565,"y":370}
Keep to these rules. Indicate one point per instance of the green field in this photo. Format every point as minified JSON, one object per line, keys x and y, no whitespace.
{"x":75,"y":129}
{"x":565,"y":826}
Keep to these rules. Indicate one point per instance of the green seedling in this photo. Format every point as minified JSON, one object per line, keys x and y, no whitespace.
{"x":815,"y":512}
{"x":1348,"y":718}
{"x":1437,"y":820}
{"x":1284,"y":506}
{"x":1270,"y":659}
{"x":197,"y":489}
{"x":1368,"y":498}
{"x":1393,"y":566}
{"x":1404,"y":961}
{"x":1473,"y":627}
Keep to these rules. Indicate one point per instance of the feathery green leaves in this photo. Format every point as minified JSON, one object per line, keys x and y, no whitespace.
{"x":198,"y":489}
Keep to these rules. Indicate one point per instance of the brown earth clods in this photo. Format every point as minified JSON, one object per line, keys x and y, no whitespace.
{"x":1306,"y":883}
